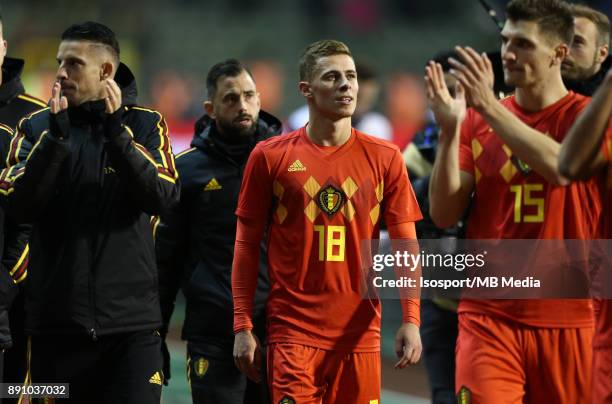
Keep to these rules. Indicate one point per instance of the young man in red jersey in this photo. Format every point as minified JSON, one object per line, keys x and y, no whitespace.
{"x":585,"y":151}
{"x":505,"y":153}
{"x":321,"y":190}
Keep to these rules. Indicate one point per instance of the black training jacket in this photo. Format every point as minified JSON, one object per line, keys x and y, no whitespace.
{"x":195,"y":239}
{"x":13,"y":239}
{"x":90,"y":198}
{"x":14,"y":105}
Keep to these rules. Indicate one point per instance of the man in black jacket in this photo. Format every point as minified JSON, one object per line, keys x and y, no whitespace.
{"x":195,"y":239}
{"x":15,"y":103}
{"x":11,"y":248}
{"x":589,"y":59}
{"x":99,"y":168}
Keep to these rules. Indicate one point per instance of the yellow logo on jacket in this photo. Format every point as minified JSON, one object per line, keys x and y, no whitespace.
{"x":156,"y":379}
{"x":212,"y":185}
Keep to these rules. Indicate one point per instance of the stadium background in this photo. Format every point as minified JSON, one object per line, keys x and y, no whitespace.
{"x":170,"y":45}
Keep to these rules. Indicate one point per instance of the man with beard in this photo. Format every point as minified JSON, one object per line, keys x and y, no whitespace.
{"x":195,"y":240}
{"x":586,"y":65}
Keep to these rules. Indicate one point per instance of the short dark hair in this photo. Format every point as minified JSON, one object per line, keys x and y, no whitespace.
{"x":94,"y":32}
{"x":227,"y":68}
{"x":319,"y":49}
{"x":553,"y":17}
{"x":601,"y":21}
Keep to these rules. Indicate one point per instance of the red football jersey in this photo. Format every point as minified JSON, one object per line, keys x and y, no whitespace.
{"x":511,"y":201}
{"x":323,"y":202}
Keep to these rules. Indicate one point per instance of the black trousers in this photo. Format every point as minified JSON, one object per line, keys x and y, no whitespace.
{"x":439,"y":329}
{"x":117,"y":369}
{"x":214,"y":378}
{"x":16,"y":358}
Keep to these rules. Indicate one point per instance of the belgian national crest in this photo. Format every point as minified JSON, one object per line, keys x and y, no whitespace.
{"x":520,"y":165}
{"x":330,"y":199}
{"x":201,"y":367}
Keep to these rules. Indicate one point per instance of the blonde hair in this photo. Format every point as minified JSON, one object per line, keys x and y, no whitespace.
{"x":317,"y":50}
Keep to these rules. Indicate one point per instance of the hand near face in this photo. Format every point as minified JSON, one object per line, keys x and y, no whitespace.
{"x":475,"y":73}
{"x":112,"y":96}
{"x":58,"y":102}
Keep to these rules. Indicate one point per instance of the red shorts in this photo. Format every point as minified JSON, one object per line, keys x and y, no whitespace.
{"x":501,"y":362}
{"x":602,"y":352}
{"x":307,"y":375}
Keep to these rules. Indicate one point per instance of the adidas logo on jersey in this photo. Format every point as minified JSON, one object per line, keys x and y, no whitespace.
{"x":212,"y":185}
{"x":296,"y":166}
{"x":156,"y":379}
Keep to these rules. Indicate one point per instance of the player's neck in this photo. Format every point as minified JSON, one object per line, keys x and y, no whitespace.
{"x":541,"y":95}
{"x":325,"y":132}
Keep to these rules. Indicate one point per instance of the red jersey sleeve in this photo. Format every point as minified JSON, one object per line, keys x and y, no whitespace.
{"x":245,"y":270}
{"x":411,"y":307}
{"x":466,"y":157}
{"x":398,"y":196}
{"x":255,"y":197}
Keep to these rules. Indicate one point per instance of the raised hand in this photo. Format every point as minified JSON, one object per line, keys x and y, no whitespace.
{"x":58,"y":102}
{"x":475,"y":73}
{"x":112,"y":97}
{"x":449,"y":112}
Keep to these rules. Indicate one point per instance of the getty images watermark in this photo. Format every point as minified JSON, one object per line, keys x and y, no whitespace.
{"x":487,"y":269}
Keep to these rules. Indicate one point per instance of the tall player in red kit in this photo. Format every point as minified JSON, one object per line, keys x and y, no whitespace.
{"x":505,"y":153}
{"x":321,"y":191}
{"x":587,"y":150}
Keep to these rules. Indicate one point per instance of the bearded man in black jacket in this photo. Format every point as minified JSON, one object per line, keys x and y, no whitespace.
{"x":90,"y":172}
{"x":589,"y":60}
{"x":195,"y":239}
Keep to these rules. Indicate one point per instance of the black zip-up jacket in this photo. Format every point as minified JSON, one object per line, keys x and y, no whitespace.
{"x":14,"y":105}
{"x":13,"y":240}
{"x":195,"y":239}
{"x":89,"y":197}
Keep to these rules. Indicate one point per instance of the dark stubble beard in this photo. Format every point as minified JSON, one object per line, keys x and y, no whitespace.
{"x":232,"y":131}
{"x":581,"y":73}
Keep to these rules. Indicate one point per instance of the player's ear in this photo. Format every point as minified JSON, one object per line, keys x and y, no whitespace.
{"x":561,"y":52}
{"x":602,"y":53}
{"x":209,"y":109}
{"x":305,"y":89}
{"x":106,"y":71}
